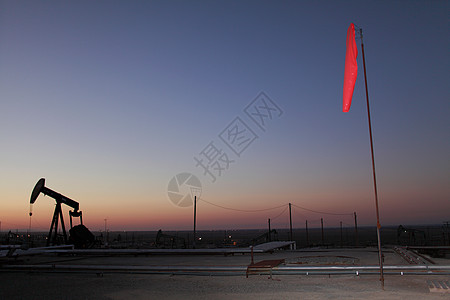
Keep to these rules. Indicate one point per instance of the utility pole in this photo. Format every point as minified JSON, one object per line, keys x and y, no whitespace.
{"x":356,"y":231}
{"x":341,"y":235}
{"x":307,"y":234}
{"x":270,"y":235}
{"x":446,"y":233}
{"x":195,"y":221}
{"x":323,"y":240}
{"x":290,"y":223}
{"x":106,"y":239}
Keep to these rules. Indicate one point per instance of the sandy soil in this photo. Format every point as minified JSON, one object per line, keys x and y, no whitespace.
{"x":119,"y":286}
{"x":89,"y":285}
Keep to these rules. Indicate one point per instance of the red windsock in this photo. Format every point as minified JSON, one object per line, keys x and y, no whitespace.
{"x":351,"y":68}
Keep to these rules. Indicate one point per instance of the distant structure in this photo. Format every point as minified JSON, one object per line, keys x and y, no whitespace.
{"x":265,"y":237}
{"x":169,"y":241}
{"x":80,"y":236}
{"x":414,"y":236}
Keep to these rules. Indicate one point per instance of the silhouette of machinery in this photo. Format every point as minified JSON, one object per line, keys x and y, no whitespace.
{"x":80,"y":236}
{"x":266,"y":237}
{"x":169,"y":241}
{"x":414,"y":235}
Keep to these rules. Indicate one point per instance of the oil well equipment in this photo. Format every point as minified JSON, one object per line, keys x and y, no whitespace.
{"x":80,"y":236}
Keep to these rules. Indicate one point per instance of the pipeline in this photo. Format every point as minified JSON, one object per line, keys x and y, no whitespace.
{"x":362,"y":270}
{"x":232,"y":270}
{"x":116,"y":252}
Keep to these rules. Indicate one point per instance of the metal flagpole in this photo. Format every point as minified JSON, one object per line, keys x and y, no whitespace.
{"x":380,"y":255}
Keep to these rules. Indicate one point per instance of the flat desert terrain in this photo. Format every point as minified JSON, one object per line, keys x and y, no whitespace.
{"x":129,"y":284}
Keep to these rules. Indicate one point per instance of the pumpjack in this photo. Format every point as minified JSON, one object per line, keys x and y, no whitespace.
{"x":412,"y":235}
{"x":80,"y":235}
{"x":166,"y":240}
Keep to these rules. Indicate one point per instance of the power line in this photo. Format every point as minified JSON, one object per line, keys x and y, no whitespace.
{"x":280,"y":213}
{"x":272,"y":208}
{"x":321,"y":212}
{"x":241,"y":210}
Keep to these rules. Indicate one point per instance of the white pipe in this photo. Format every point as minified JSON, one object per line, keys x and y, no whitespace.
{"x":223,"y":270}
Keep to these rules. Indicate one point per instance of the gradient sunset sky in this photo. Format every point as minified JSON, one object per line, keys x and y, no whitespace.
{"x":109,"y":100}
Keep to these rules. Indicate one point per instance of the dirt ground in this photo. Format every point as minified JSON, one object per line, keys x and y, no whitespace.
{"x":93,"y":285}
{"x":139,"y":286}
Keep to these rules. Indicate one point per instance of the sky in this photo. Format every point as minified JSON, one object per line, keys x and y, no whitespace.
{"x":118,"y":104}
